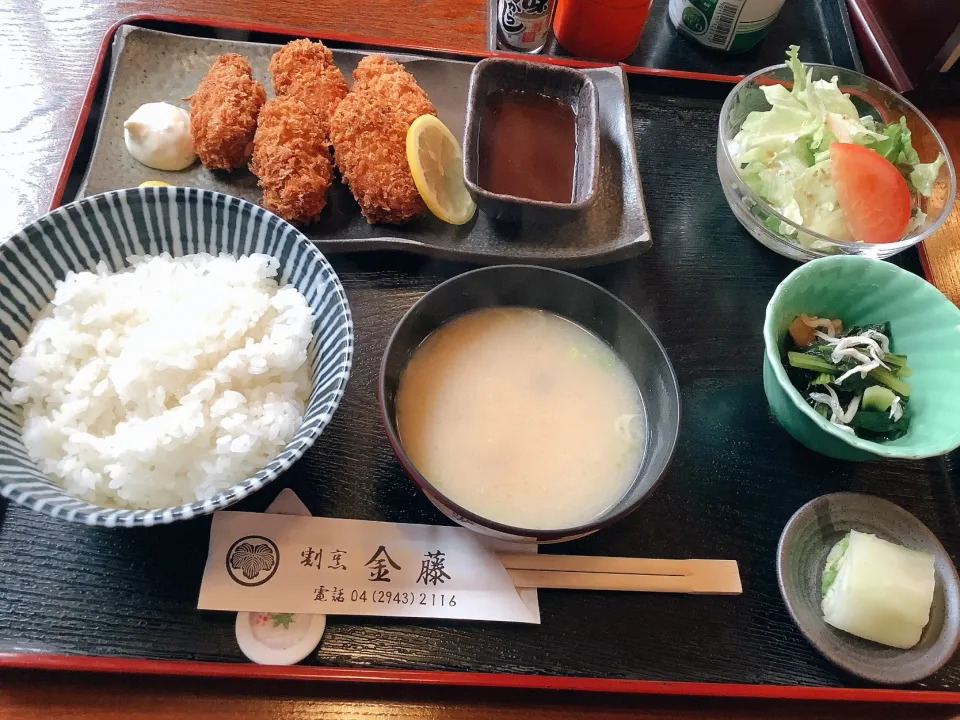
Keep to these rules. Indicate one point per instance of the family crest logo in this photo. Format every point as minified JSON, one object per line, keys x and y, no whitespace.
{"x":252,"y":560}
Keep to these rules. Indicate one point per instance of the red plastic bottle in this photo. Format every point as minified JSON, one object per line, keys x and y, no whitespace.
{"x":600,"y":29}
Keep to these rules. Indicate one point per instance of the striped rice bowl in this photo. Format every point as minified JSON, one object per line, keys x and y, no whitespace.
{"x":270,"y":385}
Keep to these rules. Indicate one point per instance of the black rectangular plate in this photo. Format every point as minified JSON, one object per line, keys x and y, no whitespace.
{"x":735,"y":480}
{"x":612,"y":228}
{"x":820,"y":27}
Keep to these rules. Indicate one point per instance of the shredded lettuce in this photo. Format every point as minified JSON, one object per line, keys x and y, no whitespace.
{"x":783,"y":154}
{"x":918,"y":218}
{"x":924,"y":175}
{"x":796,"y":67}
{"x":817,"y":200}
{"x":907,"y":155}
{"x":891,"y":144}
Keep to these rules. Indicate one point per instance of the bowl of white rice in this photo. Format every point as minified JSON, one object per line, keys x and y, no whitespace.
{"x":164,"y":352}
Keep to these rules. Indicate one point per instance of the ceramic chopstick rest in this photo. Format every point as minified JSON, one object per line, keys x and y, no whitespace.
{"x":280,"y":638}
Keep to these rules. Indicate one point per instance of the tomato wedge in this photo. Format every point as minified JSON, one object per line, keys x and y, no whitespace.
{"x":872,"y":193}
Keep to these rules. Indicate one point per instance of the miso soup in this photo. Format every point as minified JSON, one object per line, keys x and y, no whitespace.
{"x":522,"y":417}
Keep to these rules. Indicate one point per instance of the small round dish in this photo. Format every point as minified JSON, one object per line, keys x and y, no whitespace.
{"x":279,"y":638}
{"x":870,"y":97}
{"x":925,"y":326}
{"x":807,"y":539}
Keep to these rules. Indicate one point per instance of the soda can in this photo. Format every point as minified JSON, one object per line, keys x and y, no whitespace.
{"x":523,"y":25}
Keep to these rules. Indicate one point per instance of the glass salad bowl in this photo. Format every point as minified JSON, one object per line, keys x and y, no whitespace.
{"x":822,"y":230}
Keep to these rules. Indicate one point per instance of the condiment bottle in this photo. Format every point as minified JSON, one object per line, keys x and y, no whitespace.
{"x":523,"y":25}
{"x":600,"y":29}
{"x":729,"y":25}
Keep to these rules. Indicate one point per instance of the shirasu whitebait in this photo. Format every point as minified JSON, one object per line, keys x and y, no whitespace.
{"x":876,"y":343}
{"x":896,"y":409}
{"x":839,"y":416}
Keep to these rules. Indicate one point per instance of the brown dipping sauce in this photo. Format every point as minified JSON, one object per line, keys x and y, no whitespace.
{"x":528,"y":146}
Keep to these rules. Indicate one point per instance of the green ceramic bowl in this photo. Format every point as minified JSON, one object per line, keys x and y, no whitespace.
{"x":924,"y":324}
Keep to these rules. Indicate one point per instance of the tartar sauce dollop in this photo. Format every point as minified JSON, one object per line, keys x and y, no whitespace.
{"x":158,"y":135}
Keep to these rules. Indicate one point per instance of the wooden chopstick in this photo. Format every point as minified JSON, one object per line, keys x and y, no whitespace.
{"x":585,"y":572}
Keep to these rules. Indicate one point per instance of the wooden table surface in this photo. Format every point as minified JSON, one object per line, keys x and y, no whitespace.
{"x":47,"y":53}
{"x":943,"y":248}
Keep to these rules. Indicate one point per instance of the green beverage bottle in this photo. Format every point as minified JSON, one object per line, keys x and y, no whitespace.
{"x":728,"y":25}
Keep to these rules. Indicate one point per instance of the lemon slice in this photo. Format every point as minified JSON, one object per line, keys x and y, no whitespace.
{"x":436,"y":164}
{"x":155,"y":183}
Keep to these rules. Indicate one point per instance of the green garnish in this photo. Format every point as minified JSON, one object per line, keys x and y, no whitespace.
{"x":601,"y":357}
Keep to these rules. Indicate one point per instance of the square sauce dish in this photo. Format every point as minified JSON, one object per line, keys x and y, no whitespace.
{"x":531,"y":145}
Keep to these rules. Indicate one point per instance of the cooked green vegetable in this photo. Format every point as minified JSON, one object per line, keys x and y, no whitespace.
{"x":806,"y":361}
{"x":851,"y":378}
{"x":872,"y":421}
{"x":891,"y":381}
{"x":877,"y":398}
{"x":895,"y":359}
